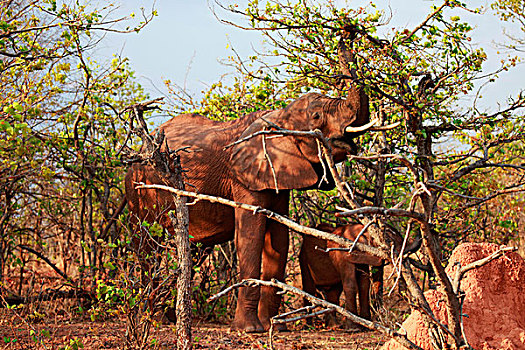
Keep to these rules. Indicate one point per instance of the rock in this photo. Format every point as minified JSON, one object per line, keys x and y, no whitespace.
{"x":494,"y":301}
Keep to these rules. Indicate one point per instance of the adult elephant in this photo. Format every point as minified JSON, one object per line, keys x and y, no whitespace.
{"x":249,"y":172}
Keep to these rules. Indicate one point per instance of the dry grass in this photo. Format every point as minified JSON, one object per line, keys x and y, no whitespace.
{"x":110,"y":334}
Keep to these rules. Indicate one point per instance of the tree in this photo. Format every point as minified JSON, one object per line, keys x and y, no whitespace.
{"x":512,"y":11}
{"x":402,"y":179}
{"x":60,"y":134}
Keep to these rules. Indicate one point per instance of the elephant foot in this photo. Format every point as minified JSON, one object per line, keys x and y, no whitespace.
{"x":330,"y":320}
{"x":252,"y":325}
{"x":353,"y":327}
{"x":279,"y":327}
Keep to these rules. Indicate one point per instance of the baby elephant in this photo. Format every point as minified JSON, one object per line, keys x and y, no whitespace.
{"x":333,"y":272}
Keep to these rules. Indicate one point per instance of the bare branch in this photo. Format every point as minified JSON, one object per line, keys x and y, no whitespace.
{"x":400,"y":338}
{"x":422,"y":24}
{"x":383,"y":211}
{"x":49,"y":262}
{"x":272,"y":215}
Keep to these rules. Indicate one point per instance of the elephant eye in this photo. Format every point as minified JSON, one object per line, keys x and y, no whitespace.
{"x":316,"y":116}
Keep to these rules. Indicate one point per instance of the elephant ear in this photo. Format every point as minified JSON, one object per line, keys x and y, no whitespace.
{"x":251,"y":165}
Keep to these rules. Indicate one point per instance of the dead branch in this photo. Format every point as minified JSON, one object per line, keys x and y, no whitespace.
{"x":279,"y":319}
{"x":382,"y":211}
{"x":280,"y":131}
{"x":49,"y":262}
{"x":360,"y":234}
{"x":47,"y":295}
{"x":400,"y":338}
{"x":307,"y":310}
{"x":167,"y":164}
{"x":272,"y":215}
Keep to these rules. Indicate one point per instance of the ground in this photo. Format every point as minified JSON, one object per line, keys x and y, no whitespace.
{"x":60,"y":324}
{"x":110,"y":334}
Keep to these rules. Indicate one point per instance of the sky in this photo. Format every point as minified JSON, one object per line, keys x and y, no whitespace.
{"x":186,"y":42}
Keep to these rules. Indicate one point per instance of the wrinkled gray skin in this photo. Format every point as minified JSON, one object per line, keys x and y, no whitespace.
{"x":338,"y":271}
{"x":243,"y":173}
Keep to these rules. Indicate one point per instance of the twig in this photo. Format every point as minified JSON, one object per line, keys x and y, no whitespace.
{"x":328,"y":250}
{"x":399,"y":260}
{"x":320,"y":155}
{"x":267,"y":156}
{"x":273,"y":132}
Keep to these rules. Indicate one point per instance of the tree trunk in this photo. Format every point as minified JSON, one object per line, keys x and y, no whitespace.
{"x":180,"y":221}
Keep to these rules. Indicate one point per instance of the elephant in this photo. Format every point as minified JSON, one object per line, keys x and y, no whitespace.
{"x":338,"y":271}
{"x":256,"y":171}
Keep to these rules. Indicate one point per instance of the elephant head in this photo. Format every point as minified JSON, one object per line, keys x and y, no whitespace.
{"x":294,"y":159}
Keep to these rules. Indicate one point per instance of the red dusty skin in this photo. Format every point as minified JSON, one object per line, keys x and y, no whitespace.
{"x":494,"y":302}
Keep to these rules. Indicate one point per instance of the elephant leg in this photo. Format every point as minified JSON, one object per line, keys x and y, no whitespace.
{"x":249,"y":238}
{"x":274,"y":256}
{"x":349,"y":280}
{"x":363,"y":281}
{"x":307,"y":282}
{"x":332,"y":295}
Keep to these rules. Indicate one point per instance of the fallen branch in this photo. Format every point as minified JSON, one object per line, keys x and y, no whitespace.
{"x":279,"y":319}
{"x":47,"y":295}
{"x":400,"y":338}
{"x":307,"y":310}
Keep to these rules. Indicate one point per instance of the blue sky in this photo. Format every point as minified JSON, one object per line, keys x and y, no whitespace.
{"x":185,"y":43}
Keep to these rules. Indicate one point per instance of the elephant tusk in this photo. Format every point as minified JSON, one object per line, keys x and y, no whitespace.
{"x":385,"y":127}
{"x":362,"y":127}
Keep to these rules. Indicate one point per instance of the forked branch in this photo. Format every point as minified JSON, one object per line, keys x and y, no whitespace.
{"x":400,"y":338}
